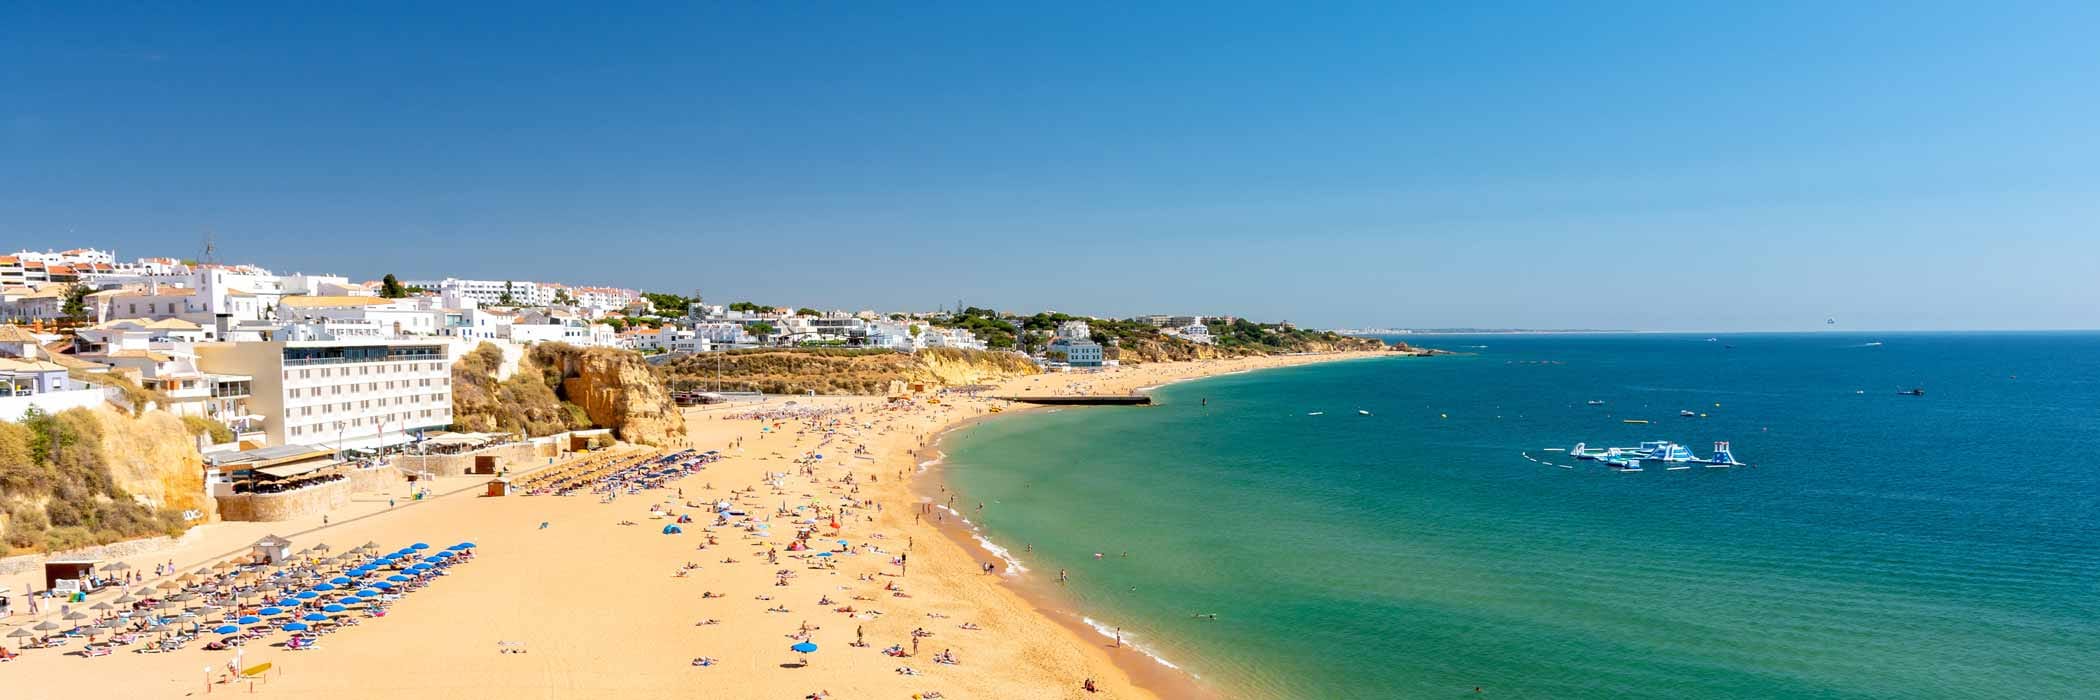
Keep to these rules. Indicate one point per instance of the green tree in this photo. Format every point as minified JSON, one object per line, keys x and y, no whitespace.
{"x":748,"y":306}
{"x":390,"y":287}
{"x":761,"y":329}
{"x":806,"y":311}
{"x":562,"y":298}
{"x":505,"y":299}
{"x":75,"y":308}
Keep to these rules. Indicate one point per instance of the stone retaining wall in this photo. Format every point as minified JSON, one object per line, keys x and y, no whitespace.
{"x":514,"y":456}
{"x":270,"y":507}
{"x":115,"y":550}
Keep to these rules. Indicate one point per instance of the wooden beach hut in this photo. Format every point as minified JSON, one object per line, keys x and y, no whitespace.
{"x":498,"y":487}
{"x":271,"y":549}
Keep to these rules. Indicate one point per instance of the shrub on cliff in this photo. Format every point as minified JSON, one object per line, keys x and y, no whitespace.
{"x":524,"y":404}
{"x":197,"y":425}
{"x":59,"y":490}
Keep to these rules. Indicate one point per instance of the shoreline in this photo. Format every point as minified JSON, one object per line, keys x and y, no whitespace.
{"x":1147,"y":669}
{"x":606,"y":603}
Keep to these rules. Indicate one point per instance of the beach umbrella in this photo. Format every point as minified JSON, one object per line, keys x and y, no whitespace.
{"x":419,"y":546}
{"x":248,"y":619}
{"x":75,"y":615}
{"x":322,"y":547}
{"x":201,"y":571}
{"x":101,"y":606}
{"x":21,"y":632}
{"x":397,"y":578}
{"x":313,"y":617}
{"x":382,"y":585}
{"x":306,"y":595}
{"x":272,"y":611}
{"x":368,"y":593}
{"x":119,"y":566}
{"x":47,"y":626}
{"x":339,"y":580}
{"x":466,"y":545}
{"x":296,"y":627}
{"x":225,"y":629}
{"x":288,"y":603}
{"x":349,"y":600}
{"x":334,"y":608}
{"x":324,"y":587}
{"x":168,"y":585}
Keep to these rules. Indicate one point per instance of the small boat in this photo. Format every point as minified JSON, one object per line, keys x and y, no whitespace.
{"x":1594,"y":402}
{"x":1317,"y":413}
{"x":1713,"y":340}
{"x":1362,"y":412}
{"x":1677,"y":468}
{"x":1687,"y":414}
{"x":1635,"y":421}
{"x":1912,"y":392}
{"x":1555,"y":449}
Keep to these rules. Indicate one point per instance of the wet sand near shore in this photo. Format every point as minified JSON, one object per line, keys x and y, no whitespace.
{"x":601,"y":611}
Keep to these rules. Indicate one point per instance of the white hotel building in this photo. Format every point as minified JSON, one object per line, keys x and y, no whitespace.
{"x":345,"y":394}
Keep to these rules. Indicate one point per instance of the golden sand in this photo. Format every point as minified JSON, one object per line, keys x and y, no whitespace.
{"x":601,"y":611}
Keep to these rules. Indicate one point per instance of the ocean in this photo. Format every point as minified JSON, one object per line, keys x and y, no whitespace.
{"x":1881,"y":546}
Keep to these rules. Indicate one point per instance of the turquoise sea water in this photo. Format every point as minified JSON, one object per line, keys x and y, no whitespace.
{"x":1882,"y":545}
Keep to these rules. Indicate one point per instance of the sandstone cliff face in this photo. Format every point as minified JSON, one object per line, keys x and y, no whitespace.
{"x":1167,"y":349}
{"x":953,"y":367}
{"x":618,"y":390}
{"x":154,"y":459}
{"x":841,"y":372}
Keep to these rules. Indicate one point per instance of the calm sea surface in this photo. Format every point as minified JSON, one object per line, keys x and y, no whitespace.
{"x":1881,"y":546}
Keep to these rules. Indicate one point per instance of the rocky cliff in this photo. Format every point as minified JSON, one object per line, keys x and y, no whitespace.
{"x":835,"y":371}
{"x":616,"y":390}
{"x":1171,"y":349}
{"x":93,"y":476}
{"x":561,"y":387}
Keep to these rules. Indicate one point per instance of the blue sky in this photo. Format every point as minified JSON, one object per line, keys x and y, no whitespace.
{"x":1625,"y":165}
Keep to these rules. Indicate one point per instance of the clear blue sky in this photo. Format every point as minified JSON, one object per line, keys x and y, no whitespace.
{"x":1629,"y":165}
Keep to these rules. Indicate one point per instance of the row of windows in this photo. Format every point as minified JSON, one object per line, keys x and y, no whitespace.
{"x":366,"y":405}
{"x":365,"y":370}
{"x":391,"y":420}
{"x":337,"y":390}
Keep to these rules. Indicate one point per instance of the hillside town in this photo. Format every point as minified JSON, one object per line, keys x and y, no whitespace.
{"x":268,"y":355}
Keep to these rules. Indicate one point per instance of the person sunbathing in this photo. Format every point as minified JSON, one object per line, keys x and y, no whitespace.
{"x":704,"y":661}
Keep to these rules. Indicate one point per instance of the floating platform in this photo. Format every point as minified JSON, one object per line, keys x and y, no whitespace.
{"x":1127,"y":400}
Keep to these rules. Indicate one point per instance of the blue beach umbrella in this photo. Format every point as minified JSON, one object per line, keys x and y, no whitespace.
{"x":441,"y":555}
{"x":419,"y":545}
{"x":382,"y":585}
{"x":273,"y":611}
{"x":289,"y":602}
{"x":248,"y":619}
{"x":225,"y":629}
{"x":306,"y":595}
{"x":334,"y":608}
{"x":348,"y":600}
{"x":339,"y":580}
{"x":296,"y":627}
{"x":368,"y":592}
{"x":804,"y":647}
{"x":823,"y":554}
{"x":397,"y":578}
{"x":313,"y":617}
{"x":324,"y":587}
{"x":466,"y":545}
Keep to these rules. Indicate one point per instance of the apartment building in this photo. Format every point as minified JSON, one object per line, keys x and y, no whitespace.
{"x":310,"y":387}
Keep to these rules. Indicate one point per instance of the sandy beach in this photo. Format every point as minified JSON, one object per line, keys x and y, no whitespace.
{"x":603,"y":608}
